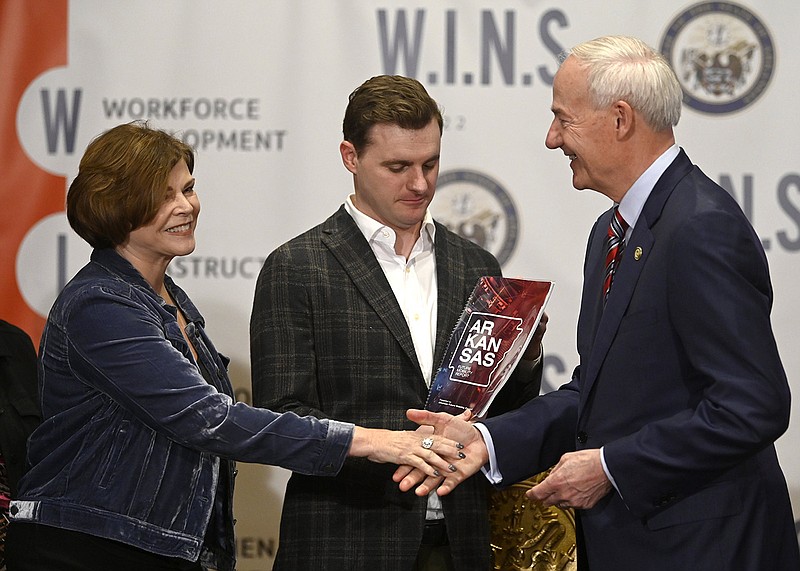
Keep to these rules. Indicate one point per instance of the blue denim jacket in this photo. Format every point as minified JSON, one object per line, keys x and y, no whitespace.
{"x":134,"y":441}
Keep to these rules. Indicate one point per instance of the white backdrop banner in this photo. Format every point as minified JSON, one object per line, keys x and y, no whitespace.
{"x":260,"y":87}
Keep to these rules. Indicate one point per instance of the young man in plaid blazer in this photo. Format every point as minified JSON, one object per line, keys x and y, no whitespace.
{"x":349,"y":321}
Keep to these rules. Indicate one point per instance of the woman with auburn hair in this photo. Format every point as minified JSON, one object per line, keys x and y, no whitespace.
{"x":133,"y":465}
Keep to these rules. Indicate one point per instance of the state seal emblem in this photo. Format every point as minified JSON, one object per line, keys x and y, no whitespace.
{"x":723,"y":55}
{"x":478,"y":208}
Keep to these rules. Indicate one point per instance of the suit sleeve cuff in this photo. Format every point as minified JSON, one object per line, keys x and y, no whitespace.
{"x":490,"y":470}
{"x":607,"y":471}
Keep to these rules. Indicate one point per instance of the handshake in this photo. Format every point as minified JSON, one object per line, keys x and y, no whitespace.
{"x":446,"y":450}
{"x":443,"y":452}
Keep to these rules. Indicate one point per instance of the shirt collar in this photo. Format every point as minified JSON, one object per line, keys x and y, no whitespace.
{"x":372,"y":229}
{"x":631,"y":205}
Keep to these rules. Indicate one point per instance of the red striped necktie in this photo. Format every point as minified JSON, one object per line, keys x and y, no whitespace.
{"x":615,"y":244}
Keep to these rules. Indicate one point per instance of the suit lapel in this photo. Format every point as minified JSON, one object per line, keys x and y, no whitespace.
{"x":348,"y":245}
{"x":449,"y":283}
{"x":641,"y":242}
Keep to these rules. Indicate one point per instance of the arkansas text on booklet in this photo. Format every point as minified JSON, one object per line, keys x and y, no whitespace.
{"x":493,"y":331}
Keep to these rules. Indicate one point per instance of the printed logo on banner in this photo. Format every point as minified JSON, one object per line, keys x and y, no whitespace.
{"x":723,"y":55}
{"x":58,"y":105}
{"x":501,"y":52}
{"x":479,"y":209}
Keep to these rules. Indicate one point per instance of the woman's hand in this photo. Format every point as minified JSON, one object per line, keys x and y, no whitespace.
{"x":444,"y":425}
{"x":433,"y":455}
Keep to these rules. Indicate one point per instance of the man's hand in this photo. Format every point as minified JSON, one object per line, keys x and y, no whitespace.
{"x":534,"y":349}
{"x":455,"y":428}
{"x":577,"y":481}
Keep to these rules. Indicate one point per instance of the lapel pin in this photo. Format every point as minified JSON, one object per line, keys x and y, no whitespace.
{"x":637,"y":253}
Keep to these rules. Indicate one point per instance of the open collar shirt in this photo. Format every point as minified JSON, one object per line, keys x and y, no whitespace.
{"x":413,"y":282}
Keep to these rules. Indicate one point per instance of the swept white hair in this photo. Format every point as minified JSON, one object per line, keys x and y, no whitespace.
{"x":625,"y":68}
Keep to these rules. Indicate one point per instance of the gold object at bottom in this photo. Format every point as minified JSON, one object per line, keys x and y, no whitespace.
{"x":526,"y":536}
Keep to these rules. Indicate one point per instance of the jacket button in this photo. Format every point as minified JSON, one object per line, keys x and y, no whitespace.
{"x":582,"y":437}
{"x":14,"y":510}
{"x":666,"y":500}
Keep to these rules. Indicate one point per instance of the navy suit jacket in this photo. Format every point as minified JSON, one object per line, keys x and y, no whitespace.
{"x":681,"y":382}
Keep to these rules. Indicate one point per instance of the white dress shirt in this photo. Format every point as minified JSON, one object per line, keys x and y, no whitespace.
{"x":413,"y":282}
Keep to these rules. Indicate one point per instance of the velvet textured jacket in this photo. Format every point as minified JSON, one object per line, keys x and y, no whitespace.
{"x":136,"y":445}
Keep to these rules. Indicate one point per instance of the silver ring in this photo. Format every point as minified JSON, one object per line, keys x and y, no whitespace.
{"x":427,"y":443}
{"x":563,"y":505}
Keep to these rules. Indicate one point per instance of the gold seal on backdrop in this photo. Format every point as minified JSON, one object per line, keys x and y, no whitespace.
{"x":526,"y":536}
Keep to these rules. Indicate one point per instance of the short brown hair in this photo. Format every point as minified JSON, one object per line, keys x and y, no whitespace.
{"x":122,"y":182}
{"x":388,"y":99}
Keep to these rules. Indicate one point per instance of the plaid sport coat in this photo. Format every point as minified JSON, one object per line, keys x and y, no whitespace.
{"x":328,"y":339}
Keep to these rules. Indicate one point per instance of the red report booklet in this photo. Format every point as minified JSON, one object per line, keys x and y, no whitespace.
{"x":488,"y":341}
